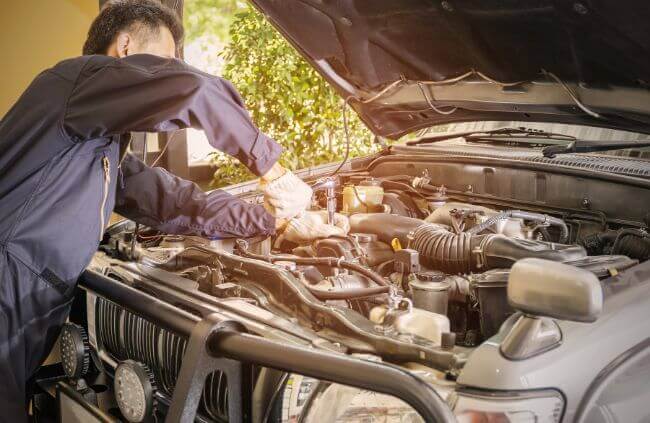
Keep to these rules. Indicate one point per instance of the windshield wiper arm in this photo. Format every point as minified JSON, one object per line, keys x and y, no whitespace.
{"x":582,"y":146}
{"x":503,"y":132}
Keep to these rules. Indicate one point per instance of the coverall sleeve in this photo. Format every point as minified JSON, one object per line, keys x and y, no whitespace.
{"x":156,"y":198}
{"x":154,"y":94}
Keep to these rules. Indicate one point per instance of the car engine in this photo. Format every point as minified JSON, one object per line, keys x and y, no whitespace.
{"x":420,"y":279}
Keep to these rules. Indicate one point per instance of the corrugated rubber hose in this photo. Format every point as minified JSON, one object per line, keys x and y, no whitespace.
{"x":451,"y":253}
{"x":633,"y":243}
{"x":466,"y":252}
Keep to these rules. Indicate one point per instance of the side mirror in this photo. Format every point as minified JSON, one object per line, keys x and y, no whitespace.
{"x":546,"y":288}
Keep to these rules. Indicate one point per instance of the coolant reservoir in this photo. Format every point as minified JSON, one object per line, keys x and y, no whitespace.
{"x":415,"y":321}
{"x":367,"y":197}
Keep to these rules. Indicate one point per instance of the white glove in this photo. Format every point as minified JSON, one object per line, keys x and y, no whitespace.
{"x":313,"y":225}
{"x":287,"y":196}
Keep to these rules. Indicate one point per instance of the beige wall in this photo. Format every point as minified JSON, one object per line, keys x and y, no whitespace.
{"x":36,"y":34}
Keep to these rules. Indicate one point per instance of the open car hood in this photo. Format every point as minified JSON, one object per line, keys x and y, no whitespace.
{"x":409,"y":64}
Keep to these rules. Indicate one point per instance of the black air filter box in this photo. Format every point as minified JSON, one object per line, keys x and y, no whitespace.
{"x":489,"y":289}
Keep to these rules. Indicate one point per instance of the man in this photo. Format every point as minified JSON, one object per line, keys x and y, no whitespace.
{"x":63,"y":166}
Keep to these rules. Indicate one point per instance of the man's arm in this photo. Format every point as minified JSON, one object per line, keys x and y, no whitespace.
{"x":154,"y":94}
{"x":156,"y":198}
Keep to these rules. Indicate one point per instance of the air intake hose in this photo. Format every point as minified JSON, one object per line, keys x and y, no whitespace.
{"x":633,"y":243}
{"x":465,"y":252}
{"x":443,"y":250}
{"x":459,"y":253}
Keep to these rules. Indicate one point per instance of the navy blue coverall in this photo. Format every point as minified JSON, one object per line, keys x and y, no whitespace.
{"x":61,"y":175}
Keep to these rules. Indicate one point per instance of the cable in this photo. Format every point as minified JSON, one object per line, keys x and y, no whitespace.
{"x":572,"y":95}
{"x":356,"y":194}
{"x":347,"y":137}
{"x":450,"y":80}
{"x":133,"y":241}
{"x":171,"y":140}
{"x":382,"y":92}
{"x":494,"y":81}
{"x":472,"y":73}
{"x":242,"y":249}
{"x":455,"y":79}
{"x":481,"y":75}
{"x":434,"y":108}
{"x":148,"y":237}
{"x":144,"y":150}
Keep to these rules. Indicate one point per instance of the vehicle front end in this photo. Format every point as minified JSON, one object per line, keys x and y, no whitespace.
{"x":496,"y":268}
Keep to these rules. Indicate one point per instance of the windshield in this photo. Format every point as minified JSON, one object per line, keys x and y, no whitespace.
{"x":579,"y":132}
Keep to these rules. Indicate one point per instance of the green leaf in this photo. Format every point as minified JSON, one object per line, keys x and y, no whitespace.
{"x":287,"y":98}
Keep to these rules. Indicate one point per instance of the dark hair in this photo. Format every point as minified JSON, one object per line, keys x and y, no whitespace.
{"x":120,"y":15}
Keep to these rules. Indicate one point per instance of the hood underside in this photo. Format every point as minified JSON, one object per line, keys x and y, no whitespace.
{"x":407,"y":64}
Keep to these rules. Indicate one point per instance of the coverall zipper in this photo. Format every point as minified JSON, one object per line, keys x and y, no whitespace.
{"x":106,"y":164}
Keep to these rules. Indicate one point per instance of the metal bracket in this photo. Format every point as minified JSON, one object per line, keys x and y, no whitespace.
{"x":198,"y":364}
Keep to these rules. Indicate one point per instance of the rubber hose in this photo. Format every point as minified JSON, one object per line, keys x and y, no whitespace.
{"x":348,"y":294}
{"x":319,"y":261}
{"x":633,"y":243}
{"x":519,"y":214}
{"x":443,"y":250}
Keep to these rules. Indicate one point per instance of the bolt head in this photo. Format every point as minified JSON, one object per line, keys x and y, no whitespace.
{"x":580,"y":8}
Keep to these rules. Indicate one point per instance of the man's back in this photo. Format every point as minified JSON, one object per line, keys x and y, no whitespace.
{"x":29,"y":134}
{"x":53,"y":187}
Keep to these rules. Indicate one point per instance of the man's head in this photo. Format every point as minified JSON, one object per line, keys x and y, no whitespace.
{"x":126,"y":27}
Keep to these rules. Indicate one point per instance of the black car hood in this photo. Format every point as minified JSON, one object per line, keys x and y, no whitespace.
{"x":597,"y":48}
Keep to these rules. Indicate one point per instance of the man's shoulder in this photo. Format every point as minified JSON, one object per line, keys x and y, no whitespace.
{"x":86,"y":66}
{"x":71,"y":68}
{"x":154,"y":64}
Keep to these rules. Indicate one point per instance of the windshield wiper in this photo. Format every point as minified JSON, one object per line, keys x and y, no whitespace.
{"x":582,"y":146}
{"x":520,"y":132}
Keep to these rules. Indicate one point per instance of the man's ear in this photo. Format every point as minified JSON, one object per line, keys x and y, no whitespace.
{"x":122,"y":43}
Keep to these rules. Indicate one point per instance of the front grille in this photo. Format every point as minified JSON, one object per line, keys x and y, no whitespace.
{"x":125,"y":335}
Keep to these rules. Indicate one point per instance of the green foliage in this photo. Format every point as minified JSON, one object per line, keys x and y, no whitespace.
{"x":287,"y":99}
{"x":210,"y":18}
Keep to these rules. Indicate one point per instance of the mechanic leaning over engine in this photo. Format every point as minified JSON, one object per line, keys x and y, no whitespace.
{"x":64,"y":167}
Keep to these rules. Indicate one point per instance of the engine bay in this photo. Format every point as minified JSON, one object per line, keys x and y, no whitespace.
{"x":420,"y":279}
{"x":418,"y":246}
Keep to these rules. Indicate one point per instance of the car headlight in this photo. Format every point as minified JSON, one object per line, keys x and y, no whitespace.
{"x":545,"y":406}
{"x":344,"y":404}
{"x":311,"y":401}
